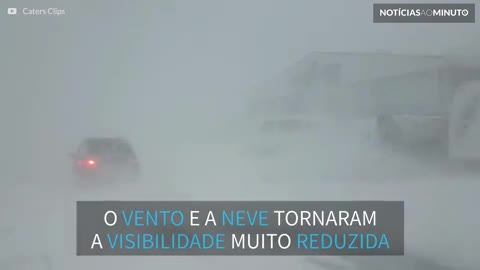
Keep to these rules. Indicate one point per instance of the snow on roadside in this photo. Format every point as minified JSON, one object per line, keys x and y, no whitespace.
{"x":341,"y":162}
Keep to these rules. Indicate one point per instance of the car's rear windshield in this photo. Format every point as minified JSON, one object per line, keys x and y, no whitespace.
{"x":110,"y":147}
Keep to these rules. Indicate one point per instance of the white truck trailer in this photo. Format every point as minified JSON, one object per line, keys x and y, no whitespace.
{"x":414,"y":98}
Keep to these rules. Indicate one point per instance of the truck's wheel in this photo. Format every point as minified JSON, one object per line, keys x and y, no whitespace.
{"x":464,"y":123}
{"x":388,"y":130}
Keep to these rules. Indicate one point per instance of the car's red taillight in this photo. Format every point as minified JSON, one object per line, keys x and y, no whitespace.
{"x":90,"y":163}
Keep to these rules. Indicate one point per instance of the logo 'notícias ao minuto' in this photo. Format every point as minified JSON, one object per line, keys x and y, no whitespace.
{"x":424,"y":13}
{"x":403,"y":12}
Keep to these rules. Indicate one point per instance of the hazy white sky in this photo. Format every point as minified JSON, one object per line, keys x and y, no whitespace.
{"x":110,"y":62}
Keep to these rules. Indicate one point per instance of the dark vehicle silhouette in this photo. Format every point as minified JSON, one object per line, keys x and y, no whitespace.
{"x":105,"y":158}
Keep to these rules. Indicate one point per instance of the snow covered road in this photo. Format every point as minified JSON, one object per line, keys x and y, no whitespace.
{"x":339,"y":161}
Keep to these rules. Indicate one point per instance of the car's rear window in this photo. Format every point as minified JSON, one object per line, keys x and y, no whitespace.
{"x":110,"y":147}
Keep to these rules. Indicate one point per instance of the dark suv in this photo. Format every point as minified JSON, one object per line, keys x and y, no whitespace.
{"x":105,"y":158}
